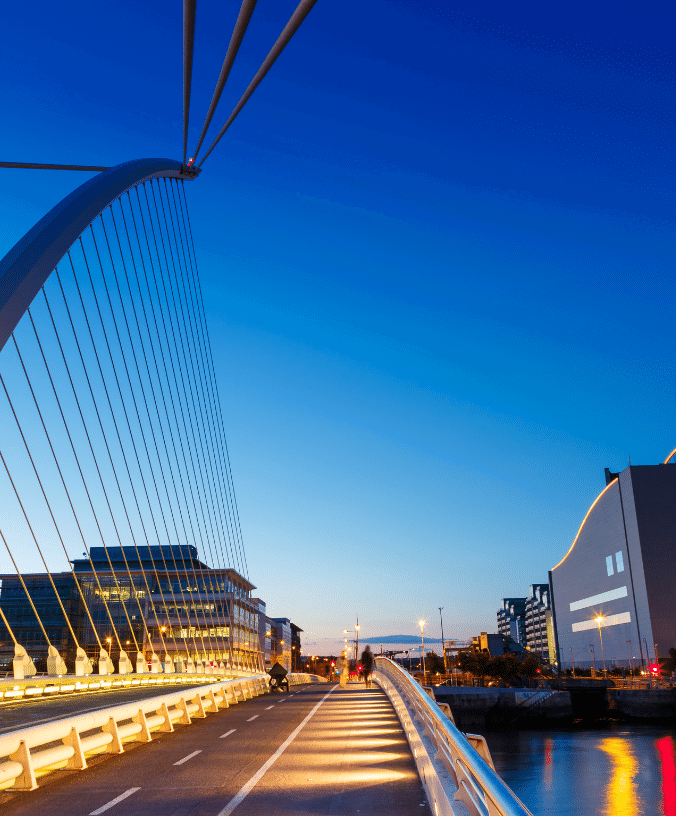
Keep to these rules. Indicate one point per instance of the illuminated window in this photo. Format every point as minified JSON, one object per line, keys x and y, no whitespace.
{"x":609,"y":564}
{"x":620,"y":561}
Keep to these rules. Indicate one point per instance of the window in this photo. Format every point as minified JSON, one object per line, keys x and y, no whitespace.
{"x":609,"y":564}
{"x":620,"y":561}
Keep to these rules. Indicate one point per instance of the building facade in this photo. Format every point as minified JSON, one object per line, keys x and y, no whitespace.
{"x":295,"y":647}
{"x":283,"y":641}
{"x":153,"y":600}
{"x":512,"y":619}
{"x":613,"y":591}
{"x":539,"y":628}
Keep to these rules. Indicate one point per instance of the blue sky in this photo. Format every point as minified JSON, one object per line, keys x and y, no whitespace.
{"x":436,"y":248}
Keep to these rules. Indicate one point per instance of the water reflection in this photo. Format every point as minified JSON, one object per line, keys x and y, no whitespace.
{"x":547,"y":769}
{"x":621,"y":796}
{"x":613,"y":770}
{"x":667,"y":754}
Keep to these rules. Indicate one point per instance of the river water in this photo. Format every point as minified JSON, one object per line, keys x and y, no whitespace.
{"x":614,"y":770}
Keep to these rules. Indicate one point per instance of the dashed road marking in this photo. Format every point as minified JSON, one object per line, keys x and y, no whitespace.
{"x":244,"y":791}
{"x":227,"y":733}
{"x":269,"y":707}
{"x":252,"y":718}
{"x":112,"y":802}
{"x":190,"y":756}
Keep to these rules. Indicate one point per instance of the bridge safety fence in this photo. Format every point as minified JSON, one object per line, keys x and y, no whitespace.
{"x":456,"y":769}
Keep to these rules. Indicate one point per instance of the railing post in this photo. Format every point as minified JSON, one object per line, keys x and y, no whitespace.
{"x":77,"y":762}
{"x":25,"y":780}
{"x":144,"y":733}
{"x":114,"y":747}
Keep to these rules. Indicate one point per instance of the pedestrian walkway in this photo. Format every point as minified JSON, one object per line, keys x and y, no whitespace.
{"x":351,"y":757}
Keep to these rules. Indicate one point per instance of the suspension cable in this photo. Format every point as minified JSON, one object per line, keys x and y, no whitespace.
{"x":49,"y":574}
{"x":301,"y":12}
{"x":243,"y":18}
{"x":165,"y":367}
{"x":221,"y":436}
{"x":96,"y":355}
{"x":8,"y":627}
{"x":136,"y":364}
{"x":25,"y":589}
{"x":204,"y":379}
{"x":196,"y":387}
{"x":184,"y":377}
{"x":58,"y":467}
{"x":189,"y":8}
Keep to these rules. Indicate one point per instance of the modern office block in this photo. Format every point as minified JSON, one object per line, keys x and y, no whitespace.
{"x":614,"y":590}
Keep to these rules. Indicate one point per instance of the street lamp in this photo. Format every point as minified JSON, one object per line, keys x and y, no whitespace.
{"x":591,"y":649}
{"x":443,"y":648}
{"x":572,"y":660}
{"x":631,"y":665}
{"x":599,"y":620}
{"x":421,"y":624}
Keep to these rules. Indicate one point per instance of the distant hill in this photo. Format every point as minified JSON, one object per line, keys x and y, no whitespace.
{"x":400,"y":640}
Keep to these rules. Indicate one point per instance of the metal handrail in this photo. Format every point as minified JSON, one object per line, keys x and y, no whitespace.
{"x":477,"y":783}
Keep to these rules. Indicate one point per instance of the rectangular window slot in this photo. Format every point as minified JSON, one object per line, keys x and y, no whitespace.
{"x":620,"y":561}
{"x":609,"y":565}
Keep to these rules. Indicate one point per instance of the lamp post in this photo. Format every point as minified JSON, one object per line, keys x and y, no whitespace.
{"x":421,"y":624}
{"x":599,"y":620}
{"x":631,"y":665}
{"x":356,"y":647}
{"x":572,"y":660}
{"x":591,"y":649}
{"x":443,"y":648}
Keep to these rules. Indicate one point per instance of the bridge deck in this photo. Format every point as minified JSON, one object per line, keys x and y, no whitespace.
{"x":318,"y":750}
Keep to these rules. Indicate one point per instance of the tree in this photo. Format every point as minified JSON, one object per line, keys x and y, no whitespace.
{"x":433,"y":663}
{"x":669,"y":664}
{"x":530,"y":666}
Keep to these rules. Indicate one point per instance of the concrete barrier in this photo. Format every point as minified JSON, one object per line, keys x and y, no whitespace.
{"x":26,"y":751}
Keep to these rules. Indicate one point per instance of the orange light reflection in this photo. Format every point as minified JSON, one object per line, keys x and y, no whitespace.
{"x":621,"y":796}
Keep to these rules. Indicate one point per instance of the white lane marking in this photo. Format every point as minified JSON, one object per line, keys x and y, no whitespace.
{"x":112,"y":802}
{"x":269,"y":707}
{"x":252,"y":718}
{"x":190,"y":756}
{"x":227,"y":733}
{"x":246,"y":789}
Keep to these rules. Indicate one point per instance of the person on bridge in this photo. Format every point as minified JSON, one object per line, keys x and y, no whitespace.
{"x":343,"y":669}
{"x":367,"y":665}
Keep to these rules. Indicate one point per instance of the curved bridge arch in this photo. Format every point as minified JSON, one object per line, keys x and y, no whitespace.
{"x":31,"y":261}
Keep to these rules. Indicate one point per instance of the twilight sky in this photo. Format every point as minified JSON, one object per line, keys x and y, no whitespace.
{"x":437,"y":253}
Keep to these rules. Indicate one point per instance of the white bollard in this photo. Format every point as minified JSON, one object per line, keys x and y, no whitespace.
{"x":124,"y":665}
{"x":190,"y":665}
{"x":22,"y":664}
{"x":104,"y":662}
{"x":168,"y":665}
{"x":155,"y":665}
{"x":55,"y":663}
{"x":141,"y":663}
{"x":83,"y":665}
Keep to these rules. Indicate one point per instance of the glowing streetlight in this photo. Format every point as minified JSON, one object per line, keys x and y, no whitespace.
{"x":599,"y":620}
{"x":356,"y":645}
{"x":421,"y":624}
